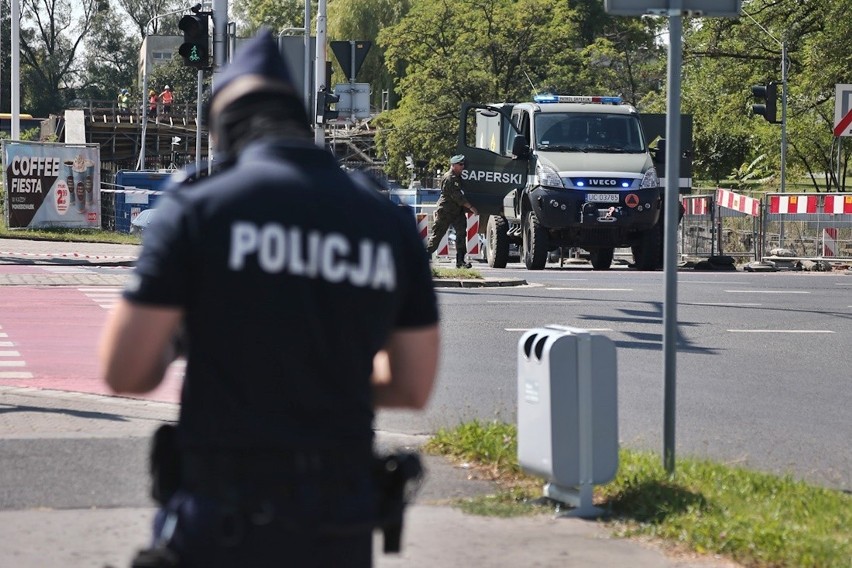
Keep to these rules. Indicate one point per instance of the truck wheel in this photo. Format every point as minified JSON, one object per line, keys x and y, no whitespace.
{"x":601,"y":258}
{"x":648,"y":253}
{"x":496,"y":231}
{"x":534,"y":243}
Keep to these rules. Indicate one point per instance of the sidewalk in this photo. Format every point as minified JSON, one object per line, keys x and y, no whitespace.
{"x":100,"y":519}
{"x":436,"y":534}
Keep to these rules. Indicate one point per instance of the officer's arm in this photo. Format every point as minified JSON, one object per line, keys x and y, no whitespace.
{"x":136,"y":346}
{"x":404,"y":372}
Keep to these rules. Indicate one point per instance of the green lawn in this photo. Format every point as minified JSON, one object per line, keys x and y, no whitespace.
{"x":756,"y":519}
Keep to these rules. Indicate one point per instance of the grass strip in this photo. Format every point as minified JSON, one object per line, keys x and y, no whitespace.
{"x":68,"y":235}
{"x":753,"y":518}
{"x":467,"y":273}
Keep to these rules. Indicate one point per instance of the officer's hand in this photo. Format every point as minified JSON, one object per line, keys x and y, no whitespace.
{"x":473,"y":210}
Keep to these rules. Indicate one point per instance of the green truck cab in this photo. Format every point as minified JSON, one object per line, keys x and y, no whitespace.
{"x":563,"y":172}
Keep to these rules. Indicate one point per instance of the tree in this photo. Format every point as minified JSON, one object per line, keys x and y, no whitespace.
{"x":111,"y":54}
{"x":501,"y":50}
{"x":144,"y":12}
{"x":51,"y":37}
{"x":363,"y":20}
{"x":277,"y":15}
{"x":724,"y":57}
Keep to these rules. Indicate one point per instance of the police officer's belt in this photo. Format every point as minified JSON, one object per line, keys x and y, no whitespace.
{"x":263,"y":470}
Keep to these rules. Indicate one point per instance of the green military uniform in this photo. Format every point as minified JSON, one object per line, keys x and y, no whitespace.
{"x":450,"y":210}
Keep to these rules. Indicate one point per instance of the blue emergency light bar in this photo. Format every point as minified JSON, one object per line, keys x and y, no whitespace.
{"x":577,"y":99}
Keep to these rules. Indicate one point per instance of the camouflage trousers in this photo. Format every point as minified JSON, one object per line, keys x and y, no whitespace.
{"x":442,"y":222}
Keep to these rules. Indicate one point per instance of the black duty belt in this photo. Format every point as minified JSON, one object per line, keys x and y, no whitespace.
{"x":211,"y":471}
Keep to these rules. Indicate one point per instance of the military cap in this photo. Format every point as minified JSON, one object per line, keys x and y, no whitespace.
{"x":257,"y":67}
{"x":457,"y":159}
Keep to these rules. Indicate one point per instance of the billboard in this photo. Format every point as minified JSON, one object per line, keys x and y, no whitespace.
{"x":52,"y":185}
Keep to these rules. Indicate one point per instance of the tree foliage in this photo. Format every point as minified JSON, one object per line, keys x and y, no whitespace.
{"x":363,"y":20}
{"x":277,"y":15}
{"x":111,"y":54}
{"x":724,"y":57}
{"x":503,"y":50}
{"x":144,"y":14}
{"x":52,"y":34}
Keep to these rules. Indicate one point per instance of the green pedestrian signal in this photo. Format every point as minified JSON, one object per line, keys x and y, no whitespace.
{"x":196,"y":39}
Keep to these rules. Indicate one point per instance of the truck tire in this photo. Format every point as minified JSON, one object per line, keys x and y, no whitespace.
{"x":534,"y":243}
{"x":648,"y":252}
{"x":496,"y":233}
{"x":601,"y":258}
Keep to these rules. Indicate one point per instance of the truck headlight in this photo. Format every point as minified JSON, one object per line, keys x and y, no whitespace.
{"x":548,"y":176}
{"x":650,"y":179}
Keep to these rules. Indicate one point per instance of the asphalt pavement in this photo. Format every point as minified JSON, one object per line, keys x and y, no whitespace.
{"x":55,"y":512}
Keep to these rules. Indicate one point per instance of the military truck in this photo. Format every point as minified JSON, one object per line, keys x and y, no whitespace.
{"x":563,"y":172}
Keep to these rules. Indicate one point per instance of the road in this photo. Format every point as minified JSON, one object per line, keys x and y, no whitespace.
{"x":763,"y":359}
{"x":763,"y":364}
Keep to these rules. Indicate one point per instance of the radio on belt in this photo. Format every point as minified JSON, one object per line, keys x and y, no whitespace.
{"x":568,"y":412}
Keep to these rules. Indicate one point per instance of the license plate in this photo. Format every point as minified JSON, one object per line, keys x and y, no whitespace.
{"x":602,"y":197}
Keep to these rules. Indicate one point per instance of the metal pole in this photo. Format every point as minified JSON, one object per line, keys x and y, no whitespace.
{"x":220,"y":34}
{"x":671,"y":220}
{"x":783,"y":130}
{"x":16,"y":70}
{"x":319,"y":66}
{"x":198,"y":121}
{"x":141,"y":164}
{"x":783,"y":116}
{"x":307,"y":43}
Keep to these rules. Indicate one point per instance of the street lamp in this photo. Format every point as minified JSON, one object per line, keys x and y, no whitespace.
{"x":141,"y":164}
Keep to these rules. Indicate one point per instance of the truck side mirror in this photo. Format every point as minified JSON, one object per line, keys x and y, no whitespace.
{"x":520,"y":148}
{"x":659,"y":154}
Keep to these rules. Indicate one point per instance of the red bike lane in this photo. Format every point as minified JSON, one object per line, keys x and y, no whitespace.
{"x":49,"y":339}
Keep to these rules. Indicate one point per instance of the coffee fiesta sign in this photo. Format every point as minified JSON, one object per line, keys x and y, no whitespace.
{"x":52,"y":185}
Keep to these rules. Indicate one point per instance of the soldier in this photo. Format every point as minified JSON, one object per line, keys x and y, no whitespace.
{"x":302,"y":318}
{"x":450,"y":211}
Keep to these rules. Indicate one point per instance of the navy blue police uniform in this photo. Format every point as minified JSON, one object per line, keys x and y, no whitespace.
{"x":291,"y":278}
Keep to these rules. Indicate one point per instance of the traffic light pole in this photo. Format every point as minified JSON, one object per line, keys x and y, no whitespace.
{"x":783,"y":45}
{"x":141,"y":164}
{"x":319,"y":67}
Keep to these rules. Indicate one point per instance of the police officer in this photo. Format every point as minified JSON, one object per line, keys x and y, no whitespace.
{"x":450,"y":210}
{"x":302,"y":317}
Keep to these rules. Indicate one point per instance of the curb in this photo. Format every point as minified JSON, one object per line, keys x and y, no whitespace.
{"x":477,"y":282}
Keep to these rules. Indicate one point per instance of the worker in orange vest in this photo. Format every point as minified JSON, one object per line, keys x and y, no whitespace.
{"x":167,"y":97}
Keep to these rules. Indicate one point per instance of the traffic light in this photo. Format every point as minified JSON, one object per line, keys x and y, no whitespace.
{"x":769,"y":93}
{"x":325,"y":99}
{"x":194,"y":49}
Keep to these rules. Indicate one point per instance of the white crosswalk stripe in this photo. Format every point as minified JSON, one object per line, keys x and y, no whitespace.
{"x":10,"y":359}
{"x":104,"y":296}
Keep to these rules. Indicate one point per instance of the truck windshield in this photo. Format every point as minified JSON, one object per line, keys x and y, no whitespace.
{"x":575,"y":132}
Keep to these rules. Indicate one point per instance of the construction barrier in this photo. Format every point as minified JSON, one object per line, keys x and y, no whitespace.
{"x":808,"y":225}
{"x":447,"y":246}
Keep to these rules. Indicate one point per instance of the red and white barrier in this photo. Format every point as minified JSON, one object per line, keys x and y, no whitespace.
{"x":838,"y":204}
{"x":737,"y":202}
{"x":829,"y":241}
{"x":423,"y":227}
{"x":472,"y":235}
{"x":792,"y":204}
{"x":471,"y":240}
{"x":694,"y":206}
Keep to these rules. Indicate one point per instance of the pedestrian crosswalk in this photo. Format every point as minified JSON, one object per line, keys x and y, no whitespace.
{"x":12,"y":366}
{"x":104,"y":296}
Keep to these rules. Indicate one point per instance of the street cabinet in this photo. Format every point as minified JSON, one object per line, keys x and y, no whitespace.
{"x":568,"y":411}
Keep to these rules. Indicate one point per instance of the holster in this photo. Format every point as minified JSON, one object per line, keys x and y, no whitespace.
{"x":397,"y":477}
{"x":165,"y":464}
